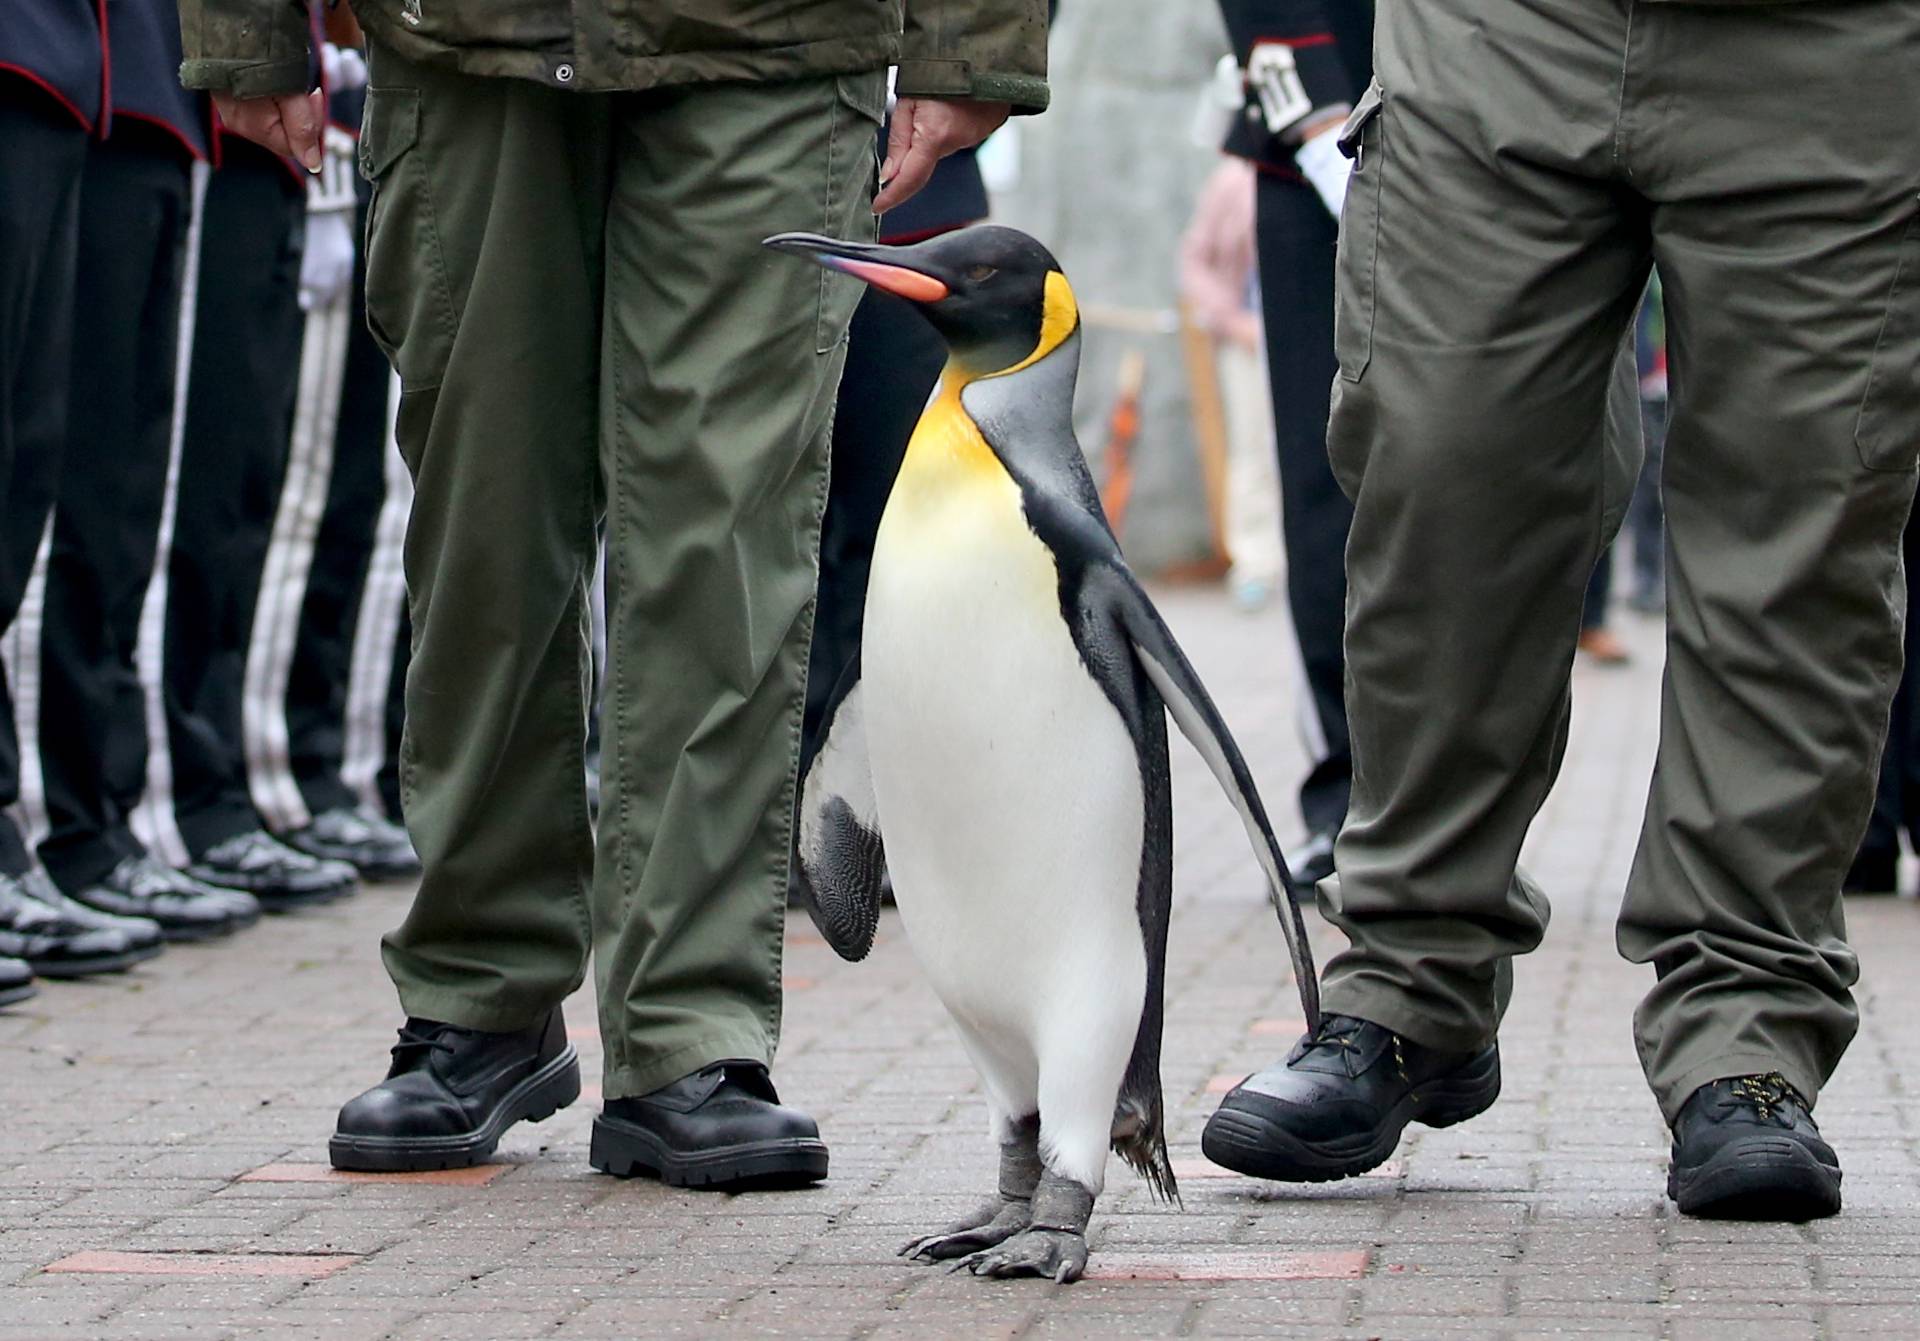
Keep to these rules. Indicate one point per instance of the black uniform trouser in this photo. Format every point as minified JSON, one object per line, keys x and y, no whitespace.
{"x":1296,"y":238}
{"x":134,"y":215}
{"x":42,"y":157}
{"x":240,"y":396}
{"x":1896,"y":797}
{"x":893,"y":360}
{"x":316,"y":702}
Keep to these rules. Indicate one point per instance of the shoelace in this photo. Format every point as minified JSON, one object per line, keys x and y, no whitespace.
{"x":414,"y":1040}
{"x":1763,"y":1093}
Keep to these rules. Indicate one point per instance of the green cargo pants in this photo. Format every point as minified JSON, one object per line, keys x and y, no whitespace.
{"x":1520,"y":165}
{"x":588,"y":332}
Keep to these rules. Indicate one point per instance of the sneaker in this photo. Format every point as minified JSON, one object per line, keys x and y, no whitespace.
{"x":722,"y":1127}
{"x":275,"y":874}
{"x":1746,"y":1148}
{"x":183,"y":908}
{"x":16,"y":982}
{"x":451,"y":1093}
{"x":58,"y":939}
{"x":1603,"y":645}
{"x":372,"y":844}
{"x":1337,"y":1105}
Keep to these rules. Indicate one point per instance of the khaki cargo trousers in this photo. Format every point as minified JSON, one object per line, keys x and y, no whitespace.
{"x":588,"y":334}
{"x":1521,"y":164}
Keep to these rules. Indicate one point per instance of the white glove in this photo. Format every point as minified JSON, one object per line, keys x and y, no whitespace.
{"x":1326,"y":168}
{"x":326,"y":268}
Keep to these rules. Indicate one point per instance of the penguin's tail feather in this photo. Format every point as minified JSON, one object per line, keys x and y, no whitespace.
{"x":1140,"y":1138}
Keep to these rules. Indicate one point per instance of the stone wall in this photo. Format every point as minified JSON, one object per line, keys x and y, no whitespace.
{"x":1107,"y":178}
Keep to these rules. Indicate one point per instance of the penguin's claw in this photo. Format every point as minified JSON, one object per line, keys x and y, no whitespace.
{"x":993,"y":1224}
{"x":1056,"y":1254}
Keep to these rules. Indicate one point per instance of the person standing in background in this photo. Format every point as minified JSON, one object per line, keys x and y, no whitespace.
{"x":1304,"y":64}
{"x":52,"y":99}
{"x":1219,"y":286}
{"x":135,"y":213}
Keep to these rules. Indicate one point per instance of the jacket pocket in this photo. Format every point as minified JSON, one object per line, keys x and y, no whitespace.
{"x":853,"y":179}
{"x":409,"y":307}
{"x":1888,"y":431}
{"x":1363,"y":140}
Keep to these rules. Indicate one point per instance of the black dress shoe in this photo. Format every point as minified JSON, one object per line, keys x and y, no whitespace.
{"x":451,"y":1093}
{"x":142,"y":934}
{"x":16,"y":982}
{"x":719,"y":1128}
{"x":1874,"y":871}
{"x":183,"y":908}
{"x":57,"y":941}
{"x":1747,"y":1149}
{"x":372,"y":844}
{"x":1337,"y":1105}
{"x":1312,"y":861}
{"x":280,"y":877}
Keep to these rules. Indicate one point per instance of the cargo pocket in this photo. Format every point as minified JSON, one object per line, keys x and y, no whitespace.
{"x":1362,"y":140}
{"x":1888,"y":433}
{"x":409,"y":307}
{"x":853,"y":179}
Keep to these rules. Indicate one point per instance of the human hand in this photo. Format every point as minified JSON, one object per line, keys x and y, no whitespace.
{"x":287,"y":123}
{"x":926,"y":130}
{"x":326,"y":265}
{"x":1324,"y":166}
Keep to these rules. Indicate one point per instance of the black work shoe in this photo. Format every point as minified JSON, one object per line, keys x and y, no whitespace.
{"x":183,"y":908}
{"x":275,"y":874}
{"x":16,"y":982}
{"x":451,"y":1094}
{"x":372,"y":844}
{"x":1312,"y":861}
{"x":1747,"y":1149}
{"x":60,"y":939}
{"x":1337,"y":1105}
{"x":719,"y":1128}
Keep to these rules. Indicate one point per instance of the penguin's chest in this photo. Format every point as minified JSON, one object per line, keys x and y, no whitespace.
{"x":1007,"y":783}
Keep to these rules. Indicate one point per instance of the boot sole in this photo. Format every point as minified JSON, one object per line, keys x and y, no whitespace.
{"x":1760,"y":1178}
{"x":286,"y":901}
{"x":1250,"y":1143}
{"x":627,"y":1151}
{"x":13,"y":996}
{"x":535,"y":1099}
{"x":87,"y":968}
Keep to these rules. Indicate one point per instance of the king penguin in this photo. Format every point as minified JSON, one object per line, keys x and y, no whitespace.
{"x":999,"y":750}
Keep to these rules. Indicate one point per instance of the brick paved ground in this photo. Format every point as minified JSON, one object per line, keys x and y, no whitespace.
{"x":166,"y":1130}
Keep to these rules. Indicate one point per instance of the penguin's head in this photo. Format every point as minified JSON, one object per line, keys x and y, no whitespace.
{"x":996,"y":296}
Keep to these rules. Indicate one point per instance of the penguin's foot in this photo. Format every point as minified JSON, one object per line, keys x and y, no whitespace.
{"x":1054,"y":1246}
{"x":1054,"y":1254}
{"x":992,"y":1224}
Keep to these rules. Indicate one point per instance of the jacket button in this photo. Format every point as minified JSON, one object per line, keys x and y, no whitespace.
{"x":563,"y":73}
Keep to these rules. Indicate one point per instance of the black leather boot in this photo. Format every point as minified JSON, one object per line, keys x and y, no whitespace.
{"x":1337,"y":1105}
{"x":453,"y":1092}
{"x":16,"y":982}
{"x":722,"y":1127}
{"x":1746,"y":1149}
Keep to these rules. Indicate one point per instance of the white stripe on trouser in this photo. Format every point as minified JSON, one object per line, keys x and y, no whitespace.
{"x":20,"y":653}
{"x":289,"y":563}
{"x":382,"y":603}
{"x":152,"y":820}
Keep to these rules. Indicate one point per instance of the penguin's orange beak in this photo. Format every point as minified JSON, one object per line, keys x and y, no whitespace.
{"x":863,"y":262}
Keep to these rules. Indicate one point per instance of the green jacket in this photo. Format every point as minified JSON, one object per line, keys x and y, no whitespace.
{"x":992,"y":49}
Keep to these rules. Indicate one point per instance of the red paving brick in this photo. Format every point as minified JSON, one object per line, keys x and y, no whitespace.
{"x":477,"y":1176}
{"x":1349,"y":1265}
{"x":97,"y":1262}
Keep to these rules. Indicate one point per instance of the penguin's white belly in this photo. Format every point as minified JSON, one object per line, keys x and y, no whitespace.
{"x":1007,"y":785}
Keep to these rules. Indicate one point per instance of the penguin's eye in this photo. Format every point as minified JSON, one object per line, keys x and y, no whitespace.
{"x":981,"y":272}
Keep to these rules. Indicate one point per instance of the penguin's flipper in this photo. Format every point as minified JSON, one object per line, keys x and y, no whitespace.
{"x":1200,"y":722}
{"x":841,"y":862}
